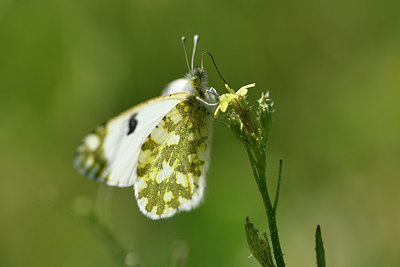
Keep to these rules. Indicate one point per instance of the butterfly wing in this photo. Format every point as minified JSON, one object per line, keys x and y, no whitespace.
{"x":173,"y":161}
{"x":109,"y":154}
{"x":179,"y":86}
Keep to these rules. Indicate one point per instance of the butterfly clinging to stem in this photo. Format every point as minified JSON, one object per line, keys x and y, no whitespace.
{"x":160,"y":147}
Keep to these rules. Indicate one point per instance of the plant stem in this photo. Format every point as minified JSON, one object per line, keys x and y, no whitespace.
{"x":273,"y":229}
{"x":253,"y":129}
{"x":258,"y":164}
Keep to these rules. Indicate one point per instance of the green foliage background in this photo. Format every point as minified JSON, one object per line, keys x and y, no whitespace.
{"x":333,"y":70}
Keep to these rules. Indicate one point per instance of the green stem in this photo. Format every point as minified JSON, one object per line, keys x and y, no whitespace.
{"x":260,"y":177}
{"x":105,"y":233}
{"x":273,"y":229}
{"x":253,"y":130}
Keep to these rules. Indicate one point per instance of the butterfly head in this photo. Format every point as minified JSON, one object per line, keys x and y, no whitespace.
{"x":198,"y":77}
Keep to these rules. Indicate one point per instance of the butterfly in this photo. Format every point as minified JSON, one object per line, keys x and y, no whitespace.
{"x":160,"y":147}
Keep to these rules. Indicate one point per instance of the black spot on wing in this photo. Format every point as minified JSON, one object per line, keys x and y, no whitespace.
{"x":132,"y":124}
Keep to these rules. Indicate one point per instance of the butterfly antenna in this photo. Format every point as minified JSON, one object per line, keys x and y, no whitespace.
{"x":196,"y":40}
{"x":215,"y":65}
{"x":183,"y":39}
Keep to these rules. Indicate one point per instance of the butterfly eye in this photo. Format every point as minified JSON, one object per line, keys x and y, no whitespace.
{"x":196,"y":81}
{"x":132,"y":124}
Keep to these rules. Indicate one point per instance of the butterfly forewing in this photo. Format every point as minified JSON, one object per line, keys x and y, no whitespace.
{"x":173,"y":161}
{"x":109,"y":154}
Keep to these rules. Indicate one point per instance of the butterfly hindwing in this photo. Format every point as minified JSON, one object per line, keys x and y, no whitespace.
{"x":178,"y":86}
{"x":173,"y":161}
{"x":109,"y":154}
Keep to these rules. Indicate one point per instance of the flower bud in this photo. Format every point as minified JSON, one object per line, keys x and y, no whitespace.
{"x":259,"y":247}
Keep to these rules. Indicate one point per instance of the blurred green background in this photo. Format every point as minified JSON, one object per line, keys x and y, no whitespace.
{"x":332,"y":68}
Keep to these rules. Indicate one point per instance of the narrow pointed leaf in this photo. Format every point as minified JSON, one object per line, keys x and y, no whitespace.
{"x":319,"y":248}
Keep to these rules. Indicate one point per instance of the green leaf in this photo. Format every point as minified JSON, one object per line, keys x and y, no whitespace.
{"x":278,"y":186}
{"x":319,"y":248}
{"x":259,"y":247}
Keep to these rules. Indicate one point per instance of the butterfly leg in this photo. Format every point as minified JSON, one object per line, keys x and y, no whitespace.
{"x":213,"y":92}
{"x":206,"y":103}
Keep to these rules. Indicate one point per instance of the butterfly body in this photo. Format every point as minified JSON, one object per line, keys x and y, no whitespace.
{"x":160,"y":147}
